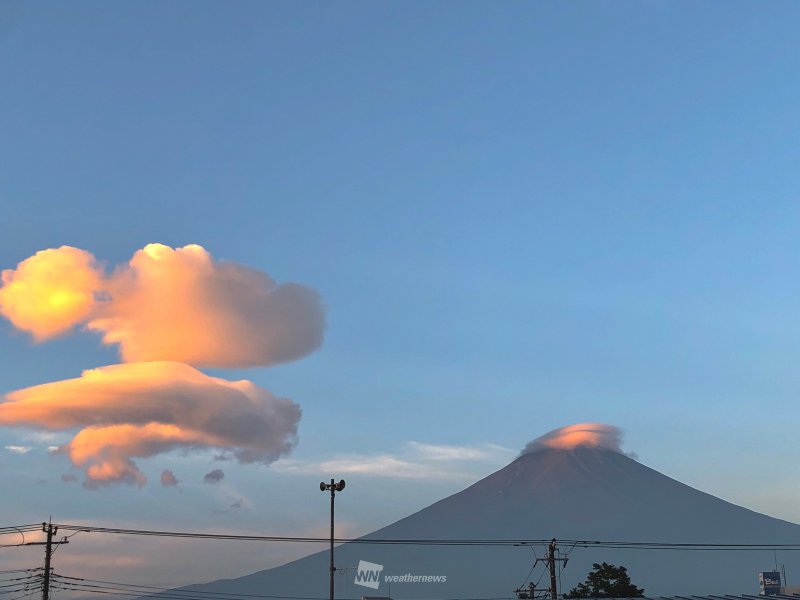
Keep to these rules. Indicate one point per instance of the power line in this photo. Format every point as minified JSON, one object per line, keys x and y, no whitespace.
{"x":26,"y":527}
{"x":19,"y":588}
{"x":604,"y":544}
{"x":25,"y":590}
{"x":149,"y":589}
{"x":30,"y":593}
{"x":21,"y":584}
{"x":25,"y":579}
{"x":111,"y":589}
{"x":189,"y":594}
{"x":164,"y":594}
{"x":19,"y":530}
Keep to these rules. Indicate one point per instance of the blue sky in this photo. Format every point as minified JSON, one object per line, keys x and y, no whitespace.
{"x":519,"y":215}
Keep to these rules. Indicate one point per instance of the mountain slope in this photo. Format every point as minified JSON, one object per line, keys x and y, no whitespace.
{"x":578,"y":493}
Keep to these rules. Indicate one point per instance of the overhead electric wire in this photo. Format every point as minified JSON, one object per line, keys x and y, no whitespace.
{"x":23,"y":581}
{"x":605,"y":544}
{"x":164,"y":594}
{"x":533,"y":566}
{"x":17,"y":583}
{"x":296,"y":539}
{"x":26,"y":527}
{"x":15,"y":578}
{"x":277,"y":597}
{"x":30,"y":593}
{"x":16,"y":590}
{"x":21,"y":587}
{"x":186,"y":594}
{"x":28,"y":577}
{"x":151,"y":589}
{"x":18,"y":530}
{"x":33,"y":586}
{"x":154,"y":592}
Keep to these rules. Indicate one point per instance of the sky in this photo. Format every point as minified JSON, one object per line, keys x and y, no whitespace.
{"x":516,"y":216}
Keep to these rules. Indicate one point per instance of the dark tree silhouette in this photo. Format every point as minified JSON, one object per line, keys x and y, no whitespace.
{"x":606,"y":581}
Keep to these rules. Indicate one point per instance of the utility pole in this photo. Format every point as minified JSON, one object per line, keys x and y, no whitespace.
{"x":333,"y":487}
{"x":50,"y":530}
{"x":530,"y":592}
{"x":48,"y":554}
{"x":551,"y":564}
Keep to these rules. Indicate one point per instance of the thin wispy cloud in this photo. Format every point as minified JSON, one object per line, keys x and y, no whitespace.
{"x":39,"y":437}
{"x":416,"y":461}
{"x":18,"y":449}
{"x":445,"y":452}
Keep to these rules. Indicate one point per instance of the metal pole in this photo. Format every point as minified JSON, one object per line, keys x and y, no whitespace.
{"x":333,"y":568}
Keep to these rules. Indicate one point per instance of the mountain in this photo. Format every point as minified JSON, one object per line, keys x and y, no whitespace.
{"x":585,"y":493}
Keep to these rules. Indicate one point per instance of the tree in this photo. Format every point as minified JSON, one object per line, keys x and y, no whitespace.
{"x":606,"y":581}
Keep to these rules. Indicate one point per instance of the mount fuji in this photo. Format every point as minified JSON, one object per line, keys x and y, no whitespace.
{"x":568,"y":491}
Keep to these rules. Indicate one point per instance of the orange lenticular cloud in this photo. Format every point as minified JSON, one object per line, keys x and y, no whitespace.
{"x":596,"y":435}
{"x":140,"y":410}
{"x":51,"y":292}
{"x":176,"y":304}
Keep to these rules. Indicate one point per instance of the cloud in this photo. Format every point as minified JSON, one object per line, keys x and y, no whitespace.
{"x":214,"y":476}
{"x":43,"y":437}
{"x":165,"y":309}
{"x":445,"y":452}
{"x":143,"y":409}
{"x":596,"y":435}
{"x":382,"y":465}
{"x":417,"y":461}
{"x":51,"y":292}
{"x":168,"y":478}
{"x":19,"y":449}
{"x":166,"y":303}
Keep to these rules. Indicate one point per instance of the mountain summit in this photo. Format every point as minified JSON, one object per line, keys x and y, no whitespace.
{"x":570,"y":492}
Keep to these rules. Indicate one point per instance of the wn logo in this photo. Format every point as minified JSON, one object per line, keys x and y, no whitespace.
{"x":368,"y":574}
